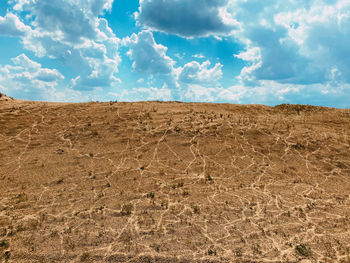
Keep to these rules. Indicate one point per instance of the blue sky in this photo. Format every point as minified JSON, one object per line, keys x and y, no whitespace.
{"x":237,"y":51}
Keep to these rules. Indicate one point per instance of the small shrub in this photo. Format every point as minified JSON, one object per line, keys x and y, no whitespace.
{"x":4,"y":243}
{"x":303,"y":250}
{"x":211,"y":252}
{"x":150,"y":195}
{"x":22,"y":197}
{"x":59,"y":181}
{"x":196,"y":209}
{"x":298,"y":146}
{"x":127,"y":209}
{"x":239,"y":253}
{"x":156,"y":247}
{"x":164,"y":204}
{"x":84,"y":257}
{"x":68,"y":230}
{"x":256,"y":249}
{"x":7,"y":255}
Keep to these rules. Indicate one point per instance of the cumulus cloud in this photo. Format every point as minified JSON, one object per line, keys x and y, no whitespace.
{"x":295,"y":42}
{"x":286,"y":41}
{"x":28,"y":78}
{"x":10,"y":25}
{"x":151,"y":58}
{"x":148,"y":56}
{"x":251,"y":54}
{"x":288,"y":44}
{"x":24,"y":62}
{"x":195,"y":73}
{"x":37,"y":73}
{"x":186,"y":18}
{"x":73,"y":33}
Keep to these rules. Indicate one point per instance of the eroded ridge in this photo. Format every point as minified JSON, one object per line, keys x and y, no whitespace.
{"x":173,"y":182}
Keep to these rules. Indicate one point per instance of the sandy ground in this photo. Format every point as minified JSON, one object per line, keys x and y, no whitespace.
{"x":173,"y":182}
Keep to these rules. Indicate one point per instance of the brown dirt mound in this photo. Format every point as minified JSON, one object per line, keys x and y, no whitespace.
{"x":298,"y":108}
{"x":4,"y":97}
{"x":173,"y":182}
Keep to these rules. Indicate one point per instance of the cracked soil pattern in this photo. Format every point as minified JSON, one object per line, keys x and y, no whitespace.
{"x":173,"y":182}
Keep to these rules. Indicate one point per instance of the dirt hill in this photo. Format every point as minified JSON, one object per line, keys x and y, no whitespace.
{"x":173,"y":182}
{"x":3,"y":97}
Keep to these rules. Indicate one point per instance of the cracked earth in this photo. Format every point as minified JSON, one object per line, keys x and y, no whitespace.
{"x":173,"y":182}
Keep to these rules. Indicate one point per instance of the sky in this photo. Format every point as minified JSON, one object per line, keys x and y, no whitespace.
{"x":222,"y":51}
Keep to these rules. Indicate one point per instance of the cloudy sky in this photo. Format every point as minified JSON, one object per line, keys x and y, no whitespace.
{"x":237,"y":51}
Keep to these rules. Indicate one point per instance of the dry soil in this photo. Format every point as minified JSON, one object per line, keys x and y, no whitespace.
{"x":173,"y":182}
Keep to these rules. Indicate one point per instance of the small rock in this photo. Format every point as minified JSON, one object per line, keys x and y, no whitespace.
{"x":7,"y":255}
{"x":59,"y":151}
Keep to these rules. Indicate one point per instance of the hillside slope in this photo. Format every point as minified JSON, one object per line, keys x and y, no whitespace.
{"x":173,"y":182}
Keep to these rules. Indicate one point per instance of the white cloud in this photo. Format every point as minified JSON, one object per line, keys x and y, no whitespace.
{"x":151,"y":58}
{"x":251,"y":54}
{"x":144,"y":94}
{"x":48,"y":75}
{"x":193,"y":72}
{"x":151,"y":93}
{"x":296,"y":42}
{"x":198,"y":93}
{"x":272,"y":93}
{"x":72,"y":32}
{"x":286,"y":41}
{"x":24,"y":62}
{"x":288,"y":44}
{"x":199,"y":56}
{"x":10,"y":25}
{"x":28,"y":78}
{"x":34,"y":70}
{"x":232,"y":94}
{"x":187,"y":18}
{"x":148,"y":56}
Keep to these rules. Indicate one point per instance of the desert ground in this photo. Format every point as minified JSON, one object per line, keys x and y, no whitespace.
{"x":173,"y":182}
